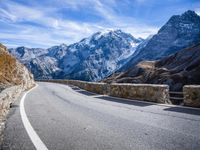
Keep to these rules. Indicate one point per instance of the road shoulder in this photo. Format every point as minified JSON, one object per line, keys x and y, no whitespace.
{"x":15,"y":135}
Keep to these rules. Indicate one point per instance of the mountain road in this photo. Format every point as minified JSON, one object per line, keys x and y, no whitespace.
{"x":62,"y":117}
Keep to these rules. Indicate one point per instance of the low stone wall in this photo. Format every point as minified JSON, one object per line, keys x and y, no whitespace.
{"x":191,"y":95}
{"x":95,"y":87}
{"x":146,"y":92}
{"x":7,"y":96}
{"x":100,"y":88}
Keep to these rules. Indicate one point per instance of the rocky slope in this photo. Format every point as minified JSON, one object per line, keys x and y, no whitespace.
{"x":98,"y":56}
{"x":14,"y":78}
{"x":91,"y":59}
{"x":37,"y":61}
{"x":176,"y":70}
{"x":12,"y":72}
{"x":179,"y":32}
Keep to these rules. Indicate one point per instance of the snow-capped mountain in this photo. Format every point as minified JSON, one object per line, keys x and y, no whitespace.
{"x":179,"y":32}
{"x":96,"y":57}
{"x":175,"y":70}
{"x":26,"y":54}
{"x":37,"y":60}
{"x":57,"y":51}
{"x":91,"y":59}
{"x":103,"y":53}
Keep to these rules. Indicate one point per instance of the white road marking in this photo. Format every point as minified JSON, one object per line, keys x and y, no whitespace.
{"x":39,"y":145}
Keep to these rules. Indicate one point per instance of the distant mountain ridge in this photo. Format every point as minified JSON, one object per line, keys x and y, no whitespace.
{"x":175,"y":70}
{"x":37,"y":61}
{"x":98,"y":56}
{"x":179,"y":32}
{"x":104,"y":53}
{"x":91,"y":59}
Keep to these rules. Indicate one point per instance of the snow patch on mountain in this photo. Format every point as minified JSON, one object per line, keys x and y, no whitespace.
{"x":92,"y":58}
{"x":179,"y":32}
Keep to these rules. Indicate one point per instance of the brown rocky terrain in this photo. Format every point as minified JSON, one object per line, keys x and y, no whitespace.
{"x":12,"y":72}
{"x":176,"y":70}
{"x":14,"y":79}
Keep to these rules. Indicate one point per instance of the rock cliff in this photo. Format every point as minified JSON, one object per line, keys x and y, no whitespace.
{"x":14,"y":78}
{"x":12,"y":72}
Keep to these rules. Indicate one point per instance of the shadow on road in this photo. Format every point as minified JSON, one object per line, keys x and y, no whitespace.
{"x":136,"y":103}
{"x":83,"y":91}
{"x":75,"y":88}
{"x":124,"y":101}
{"x":86,"y":92}
{"x":184,"y":110}
{"x":113,"y":99}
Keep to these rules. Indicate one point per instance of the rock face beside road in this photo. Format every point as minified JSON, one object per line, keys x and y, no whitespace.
{"x":12,"y":72}
{"x":14,"y":78}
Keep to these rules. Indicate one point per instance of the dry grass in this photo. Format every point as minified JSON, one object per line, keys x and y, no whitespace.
{"x":8,"y":68}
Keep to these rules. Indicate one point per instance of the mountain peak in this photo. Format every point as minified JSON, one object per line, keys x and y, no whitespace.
{"x":117,"y":31}
{"x":110,"y":32}
{"x":21,"y":47}
{"x":63,"y":44}
{"x":188,"y":17}
{"x":189,"y":13}
{"x":179,"y":32}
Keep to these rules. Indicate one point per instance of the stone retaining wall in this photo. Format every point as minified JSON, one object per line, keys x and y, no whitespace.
{"x":191,"y":95}
{"x":100,"y":88}
{"x":7,"y":96}
{"x":145,"y":92}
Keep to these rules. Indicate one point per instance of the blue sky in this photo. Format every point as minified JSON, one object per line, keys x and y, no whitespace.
{"x":44,"y":23}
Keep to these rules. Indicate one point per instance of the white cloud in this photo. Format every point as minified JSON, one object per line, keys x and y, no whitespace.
{"x":197,"y":10}
{"x":54,"y":30}
{"x":16,"y":12}
{"x":6,"y":16}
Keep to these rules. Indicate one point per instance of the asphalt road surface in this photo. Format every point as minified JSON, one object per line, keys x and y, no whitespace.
{"x":68,"y":118}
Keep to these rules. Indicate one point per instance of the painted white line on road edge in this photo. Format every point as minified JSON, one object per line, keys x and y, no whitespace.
{"x":39,"y":145}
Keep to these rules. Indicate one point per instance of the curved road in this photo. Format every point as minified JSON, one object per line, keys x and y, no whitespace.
{"x":68,"y":118}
